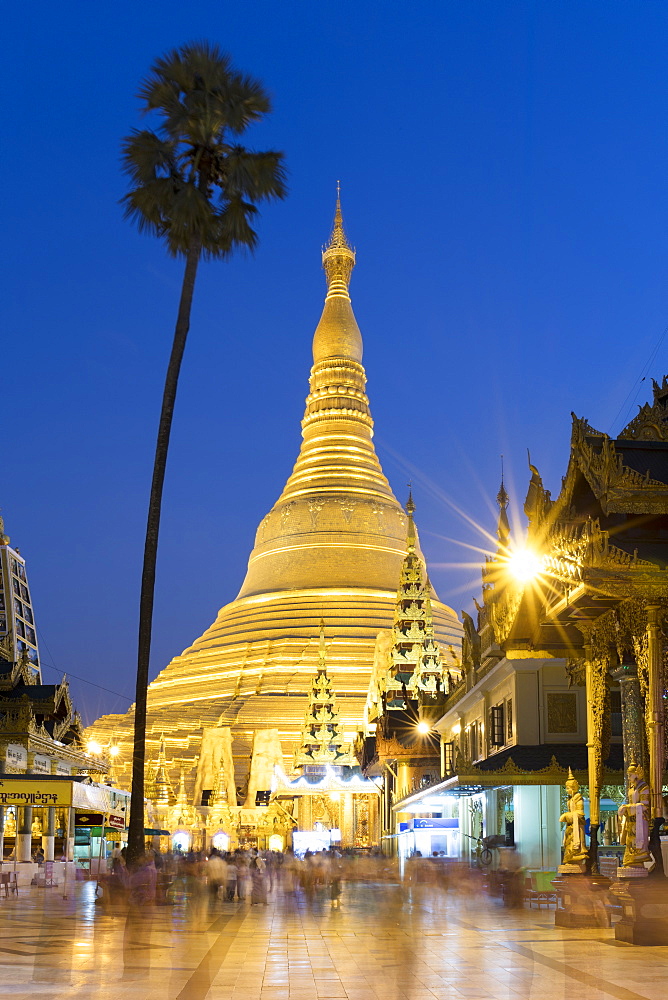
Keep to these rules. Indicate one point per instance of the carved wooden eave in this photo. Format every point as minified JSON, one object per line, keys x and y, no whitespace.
{"x":618,"y":488}
{"x":651,"y":421}
{"x":389,"y":748}
{"x":510,"y":773}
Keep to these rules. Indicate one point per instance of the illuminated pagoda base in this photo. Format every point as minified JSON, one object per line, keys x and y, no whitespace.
{"x":331,"y":548}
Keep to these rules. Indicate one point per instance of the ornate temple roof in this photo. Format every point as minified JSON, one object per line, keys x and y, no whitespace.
{"x":600,"y":542}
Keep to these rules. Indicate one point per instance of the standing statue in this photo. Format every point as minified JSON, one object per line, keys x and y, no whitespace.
{"x":634,"y":814}
{"x":575,"y":848}
{"x":215,"y":761}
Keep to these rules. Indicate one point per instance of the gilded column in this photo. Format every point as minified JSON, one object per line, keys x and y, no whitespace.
{"x":305,"y":813}
{"x":347,"y":830}
{"x":632,"y":715}
{"x":374,"y":821}
{"x":655,"y":726}
{"x":595,"y":683}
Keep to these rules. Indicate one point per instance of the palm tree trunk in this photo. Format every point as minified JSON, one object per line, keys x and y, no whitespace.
{"x":136,"y":831}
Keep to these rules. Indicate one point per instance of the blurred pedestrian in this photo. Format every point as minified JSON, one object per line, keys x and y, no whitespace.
{"x":259,"y":879}
{"x":216,"y":876}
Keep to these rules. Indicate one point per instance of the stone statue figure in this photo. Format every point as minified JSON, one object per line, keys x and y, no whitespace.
{"x":267,"y":755}
{"x":215,"y":761}
{"x":575,"y":849}
{"x":634,"y":814}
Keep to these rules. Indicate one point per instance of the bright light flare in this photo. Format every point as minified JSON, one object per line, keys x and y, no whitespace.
{"x":114,"y":750}
{"x":524,"y":565}
{"x":423,"y":727}
{"x":94,"y":747}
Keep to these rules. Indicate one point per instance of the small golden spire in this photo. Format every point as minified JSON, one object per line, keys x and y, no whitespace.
{"x":338,"y":257}
{"x":410,"y":510}
{"x":503,"y":525}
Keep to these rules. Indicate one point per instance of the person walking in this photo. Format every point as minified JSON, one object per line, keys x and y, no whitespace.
{"x":216,"y":876}
{"x":243,"y":875}
{"x":259,"y":879}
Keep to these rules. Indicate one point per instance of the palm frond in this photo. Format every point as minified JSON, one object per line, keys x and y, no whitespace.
{"x":190,"y":184}
{"x":145,"y":155}
{"x":258,"y":176}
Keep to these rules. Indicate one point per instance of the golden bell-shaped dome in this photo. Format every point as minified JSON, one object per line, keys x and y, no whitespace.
{"x":337,"y":522}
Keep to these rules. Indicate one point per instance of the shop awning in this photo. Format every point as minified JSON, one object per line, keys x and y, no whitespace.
{"x":155,"y":833}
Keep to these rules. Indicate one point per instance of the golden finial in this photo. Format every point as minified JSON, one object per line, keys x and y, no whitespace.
{"x":338,"y":257}
{"x":410,"y":510}
{"x":502,"y":496}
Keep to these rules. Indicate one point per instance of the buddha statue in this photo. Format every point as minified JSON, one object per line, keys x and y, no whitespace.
{"x":575,"y":849}
{"x":634,"y":814}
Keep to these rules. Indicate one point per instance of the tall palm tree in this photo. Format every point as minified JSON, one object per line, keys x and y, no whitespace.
{"x":193,"y":186}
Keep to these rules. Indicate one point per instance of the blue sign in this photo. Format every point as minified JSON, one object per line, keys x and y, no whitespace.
{"x":435,"y":824}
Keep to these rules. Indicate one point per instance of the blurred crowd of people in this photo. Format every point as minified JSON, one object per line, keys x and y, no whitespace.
{"x":204,"y":886}
{"x":172,"y":878}
{"x":219,"y":877}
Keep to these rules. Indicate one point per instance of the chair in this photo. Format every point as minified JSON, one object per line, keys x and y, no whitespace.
{"x":539,"y":889}
{"x":8,"y":883}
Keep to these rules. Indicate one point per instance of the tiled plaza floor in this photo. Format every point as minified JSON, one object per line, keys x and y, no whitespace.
{"x":381,"y":944}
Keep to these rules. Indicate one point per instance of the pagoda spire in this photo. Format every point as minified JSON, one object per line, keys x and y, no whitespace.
{"x":322,"y":739}
{"x":337,"y":486}
{"x":162,"y":791}
{"x":414,"y":666}
{"x":338,"y":257}
{"x":503,"y":526}
{"x":410,"y":533}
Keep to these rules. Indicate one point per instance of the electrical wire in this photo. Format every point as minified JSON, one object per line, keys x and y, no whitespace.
{"x":69,"y":673}
{"x":635,"y":388}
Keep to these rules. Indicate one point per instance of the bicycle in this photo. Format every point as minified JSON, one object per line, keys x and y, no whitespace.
{"x":483,"y":854}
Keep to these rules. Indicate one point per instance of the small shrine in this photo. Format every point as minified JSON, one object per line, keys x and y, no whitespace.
{"x":412,"y":678}
{"x":333,"y":803}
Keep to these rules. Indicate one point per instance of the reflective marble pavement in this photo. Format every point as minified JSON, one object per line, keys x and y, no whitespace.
{"x":381,"y":944}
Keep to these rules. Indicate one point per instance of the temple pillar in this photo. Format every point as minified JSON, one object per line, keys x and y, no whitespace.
{"x":49,"y":837}
{"x":632,"y":715}
{"x":70,"y":817}
{"x":596,"y":668}
{"x":387,"y":826}
{"x":374,"y":820}
{"x":347,"y":813}
{"x":305,"y":813}
{"x":655,"y":728}
{"x":24,"y":834}
{"x":403,"y":780}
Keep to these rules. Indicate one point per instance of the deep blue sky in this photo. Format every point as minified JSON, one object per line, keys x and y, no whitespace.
{"x":503,"y":169}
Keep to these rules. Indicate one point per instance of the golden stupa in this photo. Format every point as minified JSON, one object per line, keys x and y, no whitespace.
{"x":331,"y":548}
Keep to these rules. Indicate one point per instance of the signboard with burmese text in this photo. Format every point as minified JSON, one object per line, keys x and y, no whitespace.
{"x":19,"y":792}
{"x":16,"y":755}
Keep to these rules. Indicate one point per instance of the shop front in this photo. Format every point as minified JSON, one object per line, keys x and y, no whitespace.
{"x":66,"y":818}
